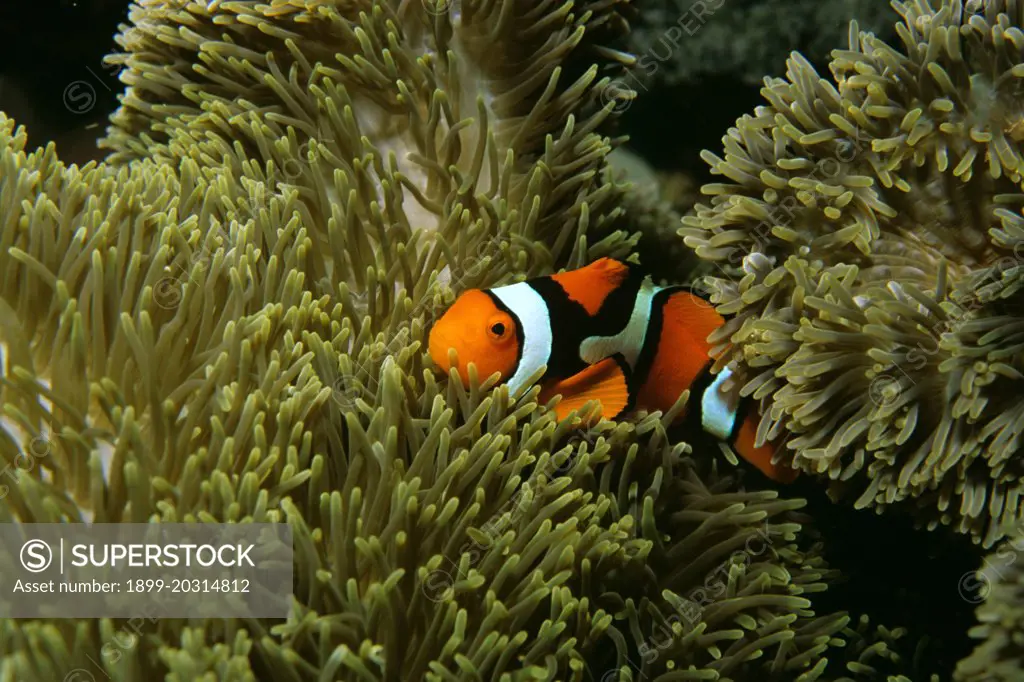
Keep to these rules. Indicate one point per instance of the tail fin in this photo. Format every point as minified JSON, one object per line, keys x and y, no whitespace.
{"x":761,"y":457}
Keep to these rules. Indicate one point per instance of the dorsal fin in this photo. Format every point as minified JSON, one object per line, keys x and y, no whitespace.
{"x":590,"y":286}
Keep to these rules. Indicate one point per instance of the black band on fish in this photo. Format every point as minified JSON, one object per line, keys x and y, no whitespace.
{"x":742,"y":412}
{"x":694,"y":405}
{"x":652,"y":342}
{"x":618,"y":306}
{"x":630,"y":382}
{"x":568,"y":320}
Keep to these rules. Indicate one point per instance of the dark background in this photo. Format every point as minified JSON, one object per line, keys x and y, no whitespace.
{"x":52,"y":76}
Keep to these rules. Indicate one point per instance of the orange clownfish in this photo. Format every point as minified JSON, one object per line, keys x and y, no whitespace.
{"x":605,"y":332}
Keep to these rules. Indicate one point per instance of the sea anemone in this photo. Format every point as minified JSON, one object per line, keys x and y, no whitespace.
{"x":225,"y":322}
{"x":998,"y":589}
{"x":866,"y":244}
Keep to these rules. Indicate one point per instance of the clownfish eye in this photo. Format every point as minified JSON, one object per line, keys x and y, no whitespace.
{"x":499,"y":327}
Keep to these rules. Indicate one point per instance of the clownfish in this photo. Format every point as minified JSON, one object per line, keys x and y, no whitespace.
{"x":605,"y":332}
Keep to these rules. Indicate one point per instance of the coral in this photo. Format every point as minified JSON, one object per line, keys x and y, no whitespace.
{"x":999,"y":587}
{"x":683,"y":41}
{"x":225,"y":321}
{"x":866,"y":238}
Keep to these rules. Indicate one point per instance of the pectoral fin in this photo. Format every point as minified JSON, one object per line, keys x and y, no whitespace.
{"x":604,"y":382}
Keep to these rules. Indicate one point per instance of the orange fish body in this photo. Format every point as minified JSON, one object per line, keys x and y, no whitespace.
{"x":604,"y":332}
